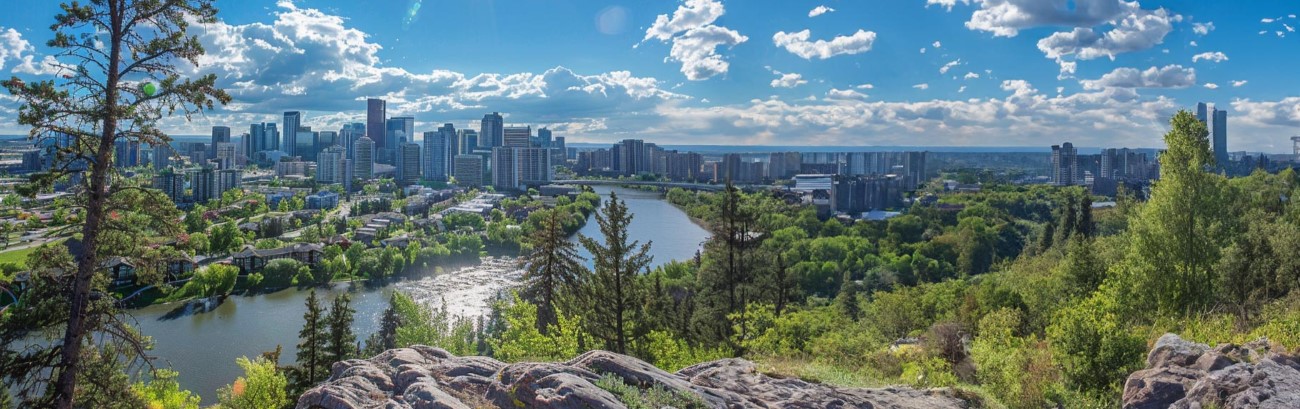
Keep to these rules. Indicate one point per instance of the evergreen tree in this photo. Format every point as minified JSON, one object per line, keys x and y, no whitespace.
{"x":613,"y":290}
{"x":1069,"y":217}
{"x":551,"y":271}
{"x":1045,"y":240}
{"x":386,"y":338}
{"x":311,"y":345}
{"x":1085,"y":226}
{"x":341,"y":343}
{"x":724,"y":278}
{"x":106,"y":50}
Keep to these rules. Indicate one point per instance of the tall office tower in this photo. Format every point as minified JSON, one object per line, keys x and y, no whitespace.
{"x":1202,"y":113}
{"x":469,"y":170}
{"x":630,"y":157}
{"x":517,"y":136}
{"x":1065,"y":165}
{"x":349,"y":135}
{"x":914,"y":169}
{"x":435,"y":156}
{"x":171,"y":184}
{"x":395,"y":130}
{"x":306,"y":148}
{"x":558,"y":150}
{"x":203,"y":184}
{"x":127,"y":153}
{"x":544,"y":137}
{"x":325,"y":139}
{"x":162,"y":156}
{"x":468,"y":139}
{"x":292,"y":122}
{"x":491,"y":131}
{"x":449,"y":134}
{"x":331,"y":167}
{"x":220,"y":134}
{"x":1220,"y":137}
{"x":225,"y":155}
{"x":364,"y":158}
{"x":408,"y":163}
{"x":376,"y":118}
{"x":272,"y":138}
{"x":253,"y":140}
{"x":228,"y":179}
{"x":504,"y":174}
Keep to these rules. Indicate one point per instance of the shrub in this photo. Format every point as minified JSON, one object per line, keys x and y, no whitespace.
{"x":1095,"y":352}
{"x":654,"y":397}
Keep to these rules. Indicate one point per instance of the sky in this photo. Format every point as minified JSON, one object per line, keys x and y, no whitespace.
{"x":1098,"y":73}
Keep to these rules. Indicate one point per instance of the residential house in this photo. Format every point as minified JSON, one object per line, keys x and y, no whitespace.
{"x":252,"y":260}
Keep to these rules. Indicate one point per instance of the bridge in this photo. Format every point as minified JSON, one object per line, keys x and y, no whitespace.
{"x":665,"y":185}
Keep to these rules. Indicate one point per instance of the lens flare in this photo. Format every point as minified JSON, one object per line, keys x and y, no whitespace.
{"x":412,"y":13}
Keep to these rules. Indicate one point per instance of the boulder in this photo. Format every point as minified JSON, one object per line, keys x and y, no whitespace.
{"x":1187,"y":375}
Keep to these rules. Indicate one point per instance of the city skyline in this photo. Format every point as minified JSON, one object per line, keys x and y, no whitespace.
{"x":946,"y":73}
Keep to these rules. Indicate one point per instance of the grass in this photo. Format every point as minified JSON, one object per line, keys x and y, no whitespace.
{"x":16,"y":256}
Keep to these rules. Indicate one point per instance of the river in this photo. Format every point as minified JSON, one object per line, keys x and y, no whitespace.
{"x":202,"y":343}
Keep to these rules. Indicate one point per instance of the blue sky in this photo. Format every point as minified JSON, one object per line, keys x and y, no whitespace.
{"x":896,"y":72}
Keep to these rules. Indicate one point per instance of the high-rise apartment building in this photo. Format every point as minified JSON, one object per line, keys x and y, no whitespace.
{"x":491,"y":131}
{"x":162,"y":156}
{"x":517,"y":136}
{"x":220,"y":134}
{"x":504,"y":174}
{"x":171,"y":184}
{"x":435,"y":156}
{"x":468,"y":140}
{"x":225,"y":155}
{"x":292,"y":122}
{"x":1220,"y":137}
{"x":544,"y":137}
{"x":783,"y":165}
{"x":203,"y":184}
{"x":469,"y":170}
{"x":408,"y":163}
{"x":331,"y":167}
{"x":1065,"y":165}
{"x":126,"y":153}
{"x":349,"y":135}
{"x":630,"y":157}
{"x":364,"y":158}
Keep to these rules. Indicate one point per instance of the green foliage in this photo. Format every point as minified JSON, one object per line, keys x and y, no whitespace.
{"x":1095,"y":352}
{"x":213,"y":280}
{"x":261,"y":387}
{"x":312,"y":365}
{"x":1018,"y":371}
{"x":613,"y":289}
{"x":340,"y":343}
{"x":420,"y":326}
{"x":521,"y":340}
{"x":654,"y":397}
{"x":164,"y":392}
{"x":279,"y":273}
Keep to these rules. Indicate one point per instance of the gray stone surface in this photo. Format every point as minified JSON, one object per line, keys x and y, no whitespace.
{"x":1186,"y":375}
{"x":423,"y":377}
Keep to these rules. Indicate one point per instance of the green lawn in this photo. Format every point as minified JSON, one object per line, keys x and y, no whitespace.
{"x":16,"y":256}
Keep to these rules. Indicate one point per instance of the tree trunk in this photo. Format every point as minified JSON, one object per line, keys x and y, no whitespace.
{"x":69,"y":361}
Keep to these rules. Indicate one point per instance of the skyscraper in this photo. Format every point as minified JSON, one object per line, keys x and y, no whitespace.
{"x":403,"y":124}
{"x":220,"y":134}
{"x":468,"y":140}
{"x":1220,"y":137}
{"x":491,"y":131}
{"x":435,"y":156}
{"x":170,"y":184}
{"x":376,"y":116}
{"x":203,"y":184}
{"x":292,"y":121}
{"x":127,"y":153}
{"x":1065,"y":165}
{"x":504,"y":174}
{"x":364,"y":162}
{"x":630,"y":157}
{"x":349,"y":135}
{"x":306,"y":144}
{"x":544,"y":137}
{"x":224,"y":155}
{"x":517,"y":136}
{"x":448,"y":131}
{"x":408,"y":163}
{"x":331,"y":167}
{"x":1202,"y":113}
{"x":162,"y":156}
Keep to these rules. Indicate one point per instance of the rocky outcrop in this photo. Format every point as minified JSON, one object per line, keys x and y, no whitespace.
{"x":422,"y":377}
{"x":1186,"y":375}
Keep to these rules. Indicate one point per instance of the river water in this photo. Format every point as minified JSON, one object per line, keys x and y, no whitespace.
{"x":202,"y":342}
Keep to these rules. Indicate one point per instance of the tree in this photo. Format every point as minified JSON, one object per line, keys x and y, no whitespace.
{"x":311,"y":345}
{"x":107,"y":49}
{"x":261,"y":387}
{"x":1177,"y":235}
{"x":386,"y":338}
{"x":612,"y":291}
{"x":341,"y":343}
{"x":724,"y":277}
{"x":552,"y":274}
{"x":164,"y":392}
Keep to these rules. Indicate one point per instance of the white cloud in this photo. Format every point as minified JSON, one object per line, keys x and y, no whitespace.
{"x":1169,"y":76}
{"x":1288,"y":28}
{"x":936,"y":44}
{"x":798,"y":44}
{"x":947,"y":4}
{"x":13,"y":47}
{"x":1214,"y":56}
{"x":1140,"y":30}
{"x":788,"y":80}
{"x":923,"y":50}
{"x":1005,"y":18}
{"x":1284,"y":113}
{"x":1202,"y":28}
{"x":1238,"y":83}
{"x":695,"y":39}
{"x":971,"y":76}
{"x":944,"y":69}
{"x":845,"y":94}
{"x":1262,"y":32}
{"x":921,"y":86}
{"x":1267,"y":20}
{"x":1192,"y":43}
{"x":819,"y":10}
{"x":961,"y":89}
{"x":1211,"y":85}
{"x":865,"y":86}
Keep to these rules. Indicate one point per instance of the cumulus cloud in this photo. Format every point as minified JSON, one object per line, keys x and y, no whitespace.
{"x":1169,"y":76}
{"x":819,"y":10}
{"x":1211,"y":85}
{"x":1005,"y":18}
{"x":1202,"y":28}
{"x":845,"y":94}
{"x":1214,"y":56}
{"x":13,"y":47}
{"x":695,"y":39}
{"x":971,"y":76}
{"x":1283,"y":113}
{"x":944,"y":69}
{"x":946,"y":4}
{"x":936,"y":44}
{"x":1192,"y":43}
{"x":921,"y":86}
{"x":798,"y":44}
{"x":1267,"y":20}
{"x":1139,"y":30}
{"x":923,"y":50}
{"x":961,"y":89}
{"x":865,"y":86}
{"x":1238,"y":83}
{"x":788,"y":80}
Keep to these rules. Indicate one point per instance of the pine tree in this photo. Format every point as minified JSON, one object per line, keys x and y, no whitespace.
{"x":551,"y":271}
{"x":341,"y":343}
{"x":1069,"y":218}
{"x":724,"y":278}
{"x":386,"y":338}
{"x":1085,"y":227}
{"x":613,"y":290}
{"x":1045,"y":239}
{"x":311,"y":345}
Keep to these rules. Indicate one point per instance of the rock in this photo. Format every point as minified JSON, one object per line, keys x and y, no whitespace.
{"x":423,"y":377}
{"x":1187,"y":375}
